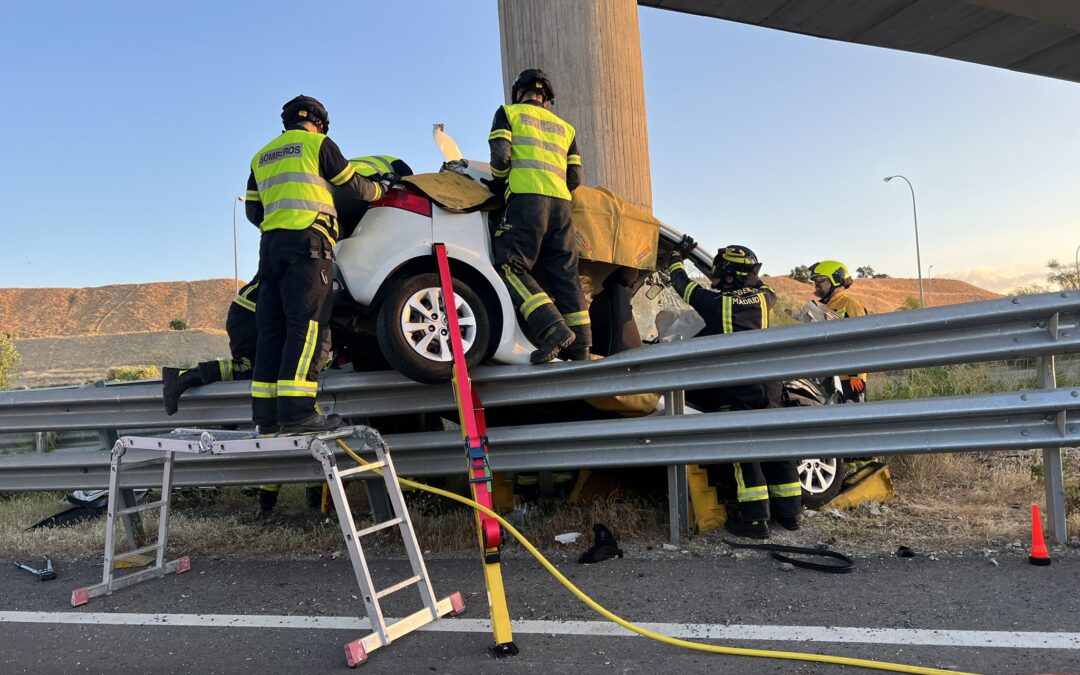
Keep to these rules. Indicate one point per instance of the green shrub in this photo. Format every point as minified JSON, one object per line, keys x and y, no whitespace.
{"x":178,"y":324}
{"x":133,"y":373}
{"x":9,"y":360}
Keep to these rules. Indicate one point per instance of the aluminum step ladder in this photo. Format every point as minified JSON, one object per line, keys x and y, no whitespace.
{"x":216,"y":442}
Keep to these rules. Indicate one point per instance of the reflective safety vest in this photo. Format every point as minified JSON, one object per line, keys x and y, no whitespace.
{"x":539,"y":144}
{"x":375,"y":164}
{"x":292,"y":191}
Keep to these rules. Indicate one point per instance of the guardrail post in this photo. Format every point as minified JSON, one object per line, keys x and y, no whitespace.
{"x":678,"y":487}
{"x":1052,"y":465}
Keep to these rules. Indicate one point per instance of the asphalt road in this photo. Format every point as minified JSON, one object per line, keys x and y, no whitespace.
{"x":750,"y":596}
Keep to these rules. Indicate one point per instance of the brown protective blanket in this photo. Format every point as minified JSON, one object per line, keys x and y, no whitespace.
{"x":453,"y":192}
{"x":610,"y":229}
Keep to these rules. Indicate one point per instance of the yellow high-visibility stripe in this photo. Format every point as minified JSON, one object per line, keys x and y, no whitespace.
{"x":499,"y":173}
{"x":244,"y":302}
{"x":252,"y":196}
{"x":573,"y":160}
{"x":726,"y":310}
{"x":500,"y":133}
{"x":748,"y":494}
{"x":688,"y":291}
{"x":348,"y":172}
{"x":516,"y":282}
{"x":535,"y":302}
{"x":577,"y":319}
{"x":785,"y":490}
{"x":325,"y":233}
{"x":263,"y":389}
{"x":221,"y":368}
{"x":764,"y":310}
{"x":297,"y":388}
{"x":307,"y":353}
{"x":676,"y":266}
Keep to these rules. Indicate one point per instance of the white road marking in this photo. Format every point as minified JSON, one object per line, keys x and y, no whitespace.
{"x":700,"y":631}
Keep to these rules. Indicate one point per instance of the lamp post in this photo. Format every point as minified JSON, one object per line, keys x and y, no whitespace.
{"x":235,"y":255}
{"x":918,"y":258}
{"x":1076,"y":259}
{"x":929,"y":280}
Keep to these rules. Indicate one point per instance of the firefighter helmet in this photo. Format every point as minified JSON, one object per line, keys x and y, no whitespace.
{"x":735,"y":260}
{"x":532,"y":79}
{"x":832,"y":270}
{"x":305,"y":109}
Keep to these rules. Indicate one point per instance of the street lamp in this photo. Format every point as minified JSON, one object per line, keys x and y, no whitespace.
{"x":918,"y":258}
{"x":235,"y":255}
{"x":929,"y":280}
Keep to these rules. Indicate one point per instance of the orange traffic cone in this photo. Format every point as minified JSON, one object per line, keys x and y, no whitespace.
{"x":1038,"y":555}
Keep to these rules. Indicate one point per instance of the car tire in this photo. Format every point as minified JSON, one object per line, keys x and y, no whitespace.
{"x":412,"y":331}
{"x":822,"y":479}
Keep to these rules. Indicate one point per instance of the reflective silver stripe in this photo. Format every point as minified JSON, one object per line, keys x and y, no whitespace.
{"x":529,"y":140}
{"x":295,"y":177}
{"x":536,"y":164}
{"x":300,"y":204}
{"x":543,"y":125}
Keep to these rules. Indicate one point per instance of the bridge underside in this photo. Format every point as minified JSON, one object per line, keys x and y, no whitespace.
{"x":1040,"y":37}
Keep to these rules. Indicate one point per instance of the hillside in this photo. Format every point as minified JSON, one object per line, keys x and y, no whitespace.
{"x":886,"y":295}
{"x":106,"y":310}
{"x":74,"y":335}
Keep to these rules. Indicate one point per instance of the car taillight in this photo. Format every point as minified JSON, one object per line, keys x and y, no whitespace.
{"x":403,"y":199}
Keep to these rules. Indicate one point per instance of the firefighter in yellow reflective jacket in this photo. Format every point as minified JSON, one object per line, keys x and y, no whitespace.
{"x":535,"y":164}
{"x":737,"y":300}
{"x":240,"y":326}
{"x":290,"y":196}
{"x":831,"y":280}
{"x":350,"y":207}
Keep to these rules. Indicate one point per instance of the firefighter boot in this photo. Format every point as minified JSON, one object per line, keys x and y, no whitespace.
{"x":554,"y":340}
{"x":313,"y":425}
{"x":755,"y":529}
{"x":267,"y":502}
{"x":176,"y":382}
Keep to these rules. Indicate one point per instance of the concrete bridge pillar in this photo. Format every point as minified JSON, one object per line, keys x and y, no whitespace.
{"x":592,"y":51}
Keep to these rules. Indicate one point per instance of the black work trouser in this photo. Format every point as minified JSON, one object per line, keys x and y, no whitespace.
{"x":240,"y":325}
{"x":295,"y":272}
{"x":761,"y":487}
{"x":536,"y":230}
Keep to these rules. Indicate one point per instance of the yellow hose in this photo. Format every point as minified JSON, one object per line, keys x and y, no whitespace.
{"x":686,"y":644}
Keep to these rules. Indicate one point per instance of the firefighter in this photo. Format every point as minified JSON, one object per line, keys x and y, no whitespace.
{"x":737,"y":300}
{"x":350,"y":207}
{"x":290,"y":197}
{"x":240,"y":326}
{"x":536,"y":166}
{"x":831,"y":280}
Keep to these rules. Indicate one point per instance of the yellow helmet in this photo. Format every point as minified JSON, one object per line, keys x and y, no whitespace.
{"x":833,"y":270}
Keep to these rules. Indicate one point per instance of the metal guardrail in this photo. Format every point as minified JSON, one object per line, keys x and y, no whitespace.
{"x":986,"y":422}
{"x":1040,"y":326}
{"x":1026,"y":326}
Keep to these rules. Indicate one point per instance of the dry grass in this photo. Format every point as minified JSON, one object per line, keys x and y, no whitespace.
{"x":956,"y":501}
{"x":226,"y":527}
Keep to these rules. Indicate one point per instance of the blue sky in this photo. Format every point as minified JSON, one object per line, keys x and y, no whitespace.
{"x":131,"y":125}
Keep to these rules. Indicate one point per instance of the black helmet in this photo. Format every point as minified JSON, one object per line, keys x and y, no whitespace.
{"x":533,"y":78}
{"x":738,"y":261}
{"x":305,"y":109}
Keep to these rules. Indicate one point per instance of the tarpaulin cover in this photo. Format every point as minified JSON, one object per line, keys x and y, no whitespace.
{"x":610,"y":229}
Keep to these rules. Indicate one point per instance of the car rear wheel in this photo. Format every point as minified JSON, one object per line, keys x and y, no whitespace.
{"x":821,"y":479}
{"x":414,"y":334}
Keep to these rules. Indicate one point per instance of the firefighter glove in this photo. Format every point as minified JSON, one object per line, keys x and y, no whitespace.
{"x":497,"y":186}
{"x":857,"y":385}
{"x":685,"y":246}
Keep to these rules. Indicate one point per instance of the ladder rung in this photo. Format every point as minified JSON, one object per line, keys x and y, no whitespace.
{"x":362,"y":468}
{"x":143,"y":462}
{"x":141,"y":507}
{"x":378,"y":526}
{"x":138,"y":551}
{"x":397,"y":587}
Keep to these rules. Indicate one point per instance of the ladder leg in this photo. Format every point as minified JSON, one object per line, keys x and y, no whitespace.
{"x":110,"y":513}
{"x":166,"y":502}
{"x":352,"y":541}
{"x":408,"y":534}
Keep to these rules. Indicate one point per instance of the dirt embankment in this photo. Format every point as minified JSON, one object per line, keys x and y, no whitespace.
{"x":108,"y":310}
{"x":888,"y":295}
